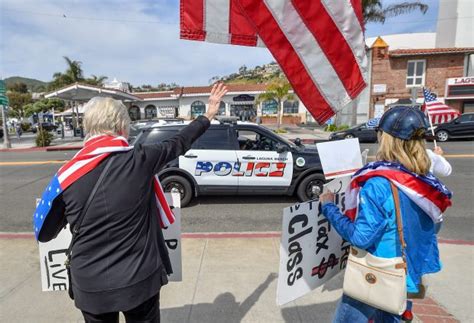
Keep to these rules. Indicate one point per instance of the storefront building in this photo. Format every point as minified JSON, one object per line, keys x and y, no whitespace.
{"x":240,"y":101}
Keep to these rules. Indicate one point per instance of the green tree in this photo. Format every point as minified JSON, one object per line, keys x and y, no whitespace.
{"x":43,"y":106}
{"x":73,"y":74}
{"x":96,"y":80}
{"x":18,"y":101}
{"x":18,"y":87}
{"x":280,"y":92}
{"x":374,"y":11}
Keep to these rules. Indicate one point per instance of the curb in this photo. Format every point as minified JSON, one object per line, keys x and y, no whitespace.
{"x":50,"y":148}
{"x":428,"y":311}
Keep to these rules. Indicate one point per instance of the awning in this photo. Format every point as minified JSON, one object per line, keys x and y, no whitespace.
{"x":84,"y":92}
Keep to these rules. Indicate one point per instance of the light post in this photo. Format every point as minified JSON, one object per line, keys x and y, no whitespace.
{"x":4,"y":103}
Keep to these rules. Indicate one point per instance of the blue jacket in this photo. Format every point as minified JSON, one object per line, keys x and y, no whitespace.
{"x":375,"y":229}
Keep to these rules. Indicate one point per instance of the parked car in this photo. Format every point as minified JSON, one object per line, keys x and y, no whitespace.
{"x":48,"y":126}
{"x":461,"y":127}
{"x":239,"y":158}
{"x":361,"y":131}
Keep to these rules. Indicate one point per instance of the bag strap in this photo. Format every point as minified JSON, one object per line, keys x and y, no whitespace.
{"x":75,"y":230}
{"x":396,"y":199}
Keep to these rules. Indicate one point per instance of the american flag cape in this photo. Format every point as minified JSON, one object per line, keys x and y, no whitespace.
{"x":95,"y":150}
{"x":319,"y":44}
{"x":426,"y":191}
{"x":437,"y":111}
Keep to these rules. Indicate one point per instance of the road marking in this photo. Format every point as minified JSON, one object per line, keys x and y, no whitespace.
{"x":29,"y":163}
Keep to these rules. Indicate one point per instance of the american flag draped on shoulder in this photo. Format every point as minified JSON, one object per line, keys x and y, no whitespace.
{"x":432,"y":196}
{"x":319,"y":44}
{"x":95,"y":150}
{"x":437,"y":111}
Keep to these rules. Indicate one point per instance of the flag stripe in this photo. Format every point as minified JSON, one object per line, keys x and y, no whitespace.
{"x":347,"y":23}
{"x":357,"y":6}
{"x":192,"y":19}
{"x":241,"y":31}
{"x":216,"y":21}
{"x":289,"y":61}
{"x":310,"y":53}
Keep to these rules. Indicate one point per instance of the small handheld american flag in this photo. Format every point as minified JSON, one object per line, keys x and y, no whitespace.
{"x":437,"y":111}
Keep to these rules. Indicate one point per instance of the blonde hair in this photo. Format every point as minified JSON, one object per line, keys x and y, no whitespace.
{"x":410,"y":153}
{"x":105,"y":116}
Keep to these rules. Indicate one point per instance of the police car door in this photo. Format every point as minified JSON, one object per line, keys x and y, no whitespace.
{"x":211,"y":161}
{"x":261,"y":167}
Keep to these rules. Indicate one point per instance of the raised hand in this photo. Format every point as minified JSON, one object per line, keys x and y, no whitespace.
{"x":217,"y":92}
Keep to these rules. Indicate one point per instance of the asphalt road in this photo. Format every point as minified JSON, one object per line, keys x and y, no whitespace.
{"x":21,"y":183}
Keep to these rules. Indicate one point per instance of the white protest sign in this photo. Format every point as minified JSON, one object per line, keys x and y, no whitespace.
{"x":53,"y":253}
{"x":340,"y":158}
{"x":311,"y":251}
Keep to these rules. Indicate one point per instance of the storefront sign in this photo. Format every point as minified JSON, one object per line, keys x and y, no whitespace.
{"x":311,"y":251}
{"x":460,"y":88}
{"x":53,"y":253}
{"x":379,"y":88}
{"x":243,"y":97}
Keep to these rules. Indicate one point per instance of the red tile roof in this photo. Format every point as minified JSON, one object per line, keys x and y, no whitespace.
{"x":431,"y":51}
{"x":154,"y":95}
{"x":200,"y":89}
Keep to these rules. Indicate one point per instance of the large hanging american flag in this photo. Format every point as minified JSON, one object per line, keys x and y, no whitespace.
{"x":318,"y":44}
{"x":95,"y":150}
{"x":437,"y":111}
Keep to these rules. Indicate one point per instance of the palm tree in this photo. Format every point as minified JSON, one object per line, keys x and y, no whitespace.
{"x":280,"y":92}
{"x":96,"y":80}
{"x":73,"y":74}
{"x":374,"y":12}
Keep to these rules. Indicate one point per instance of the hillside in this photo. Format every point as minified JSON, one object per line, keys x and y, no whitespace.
{"x":32,"y":84}
{"x":260,"y":74}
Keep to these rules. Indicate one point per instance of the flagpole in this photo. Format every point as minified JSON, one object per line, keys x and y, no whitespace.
{"x":429,"y":119}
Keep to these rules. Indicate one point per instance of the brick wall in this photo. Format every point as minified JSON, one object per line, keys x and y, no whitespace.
{"x":393,"y":71}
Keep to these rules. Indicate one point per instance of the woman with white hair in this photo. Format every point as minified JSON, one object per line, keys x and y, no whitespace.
{"x":109,"y":195}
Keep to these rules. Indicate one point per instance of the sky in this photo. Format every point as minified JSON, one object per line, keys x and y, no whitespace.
{"x":134,"y":41}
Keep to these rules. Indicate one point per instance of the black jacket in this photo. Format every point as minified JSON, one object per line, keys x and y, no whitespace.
{"x":119,"y":259}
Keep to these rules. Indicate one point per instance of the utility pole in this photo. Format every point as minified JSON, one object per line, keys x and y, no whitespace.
{"x":6,"y":135}
{"x":4,"y":103}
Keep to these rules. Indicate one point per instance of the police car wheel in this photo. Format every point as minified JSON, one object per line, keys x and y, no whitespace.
{"x":181,"y":184}
{"x":311,"y":187}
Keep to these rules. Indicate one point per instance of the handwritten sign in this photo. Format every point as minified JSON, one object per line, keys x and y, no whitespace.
{"x":333,"y":165}
{"x":311,"y":251}
{"x":53,"y":253}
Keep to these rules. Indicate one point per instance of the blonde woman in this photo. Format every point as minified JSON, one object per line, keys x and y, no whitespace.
{"x":115,"y":206}
{"x":371,"y":225}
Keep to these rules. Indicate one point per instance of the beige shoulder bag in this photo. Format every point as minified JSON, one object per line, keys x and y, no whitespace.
{"x":375,"y":281}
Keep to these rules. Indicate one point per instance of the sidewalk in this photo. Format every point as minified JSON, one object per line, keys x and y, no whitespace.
{"x":308,"y":135}
{"x":27,"y":143}
{"x":226,"y":278}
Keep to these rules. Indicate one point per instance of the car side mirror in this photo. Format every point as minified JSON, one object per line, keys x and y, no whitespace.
{"x":457,"y":121}
{"x":280,"y":148}
{"x":298,"y":141}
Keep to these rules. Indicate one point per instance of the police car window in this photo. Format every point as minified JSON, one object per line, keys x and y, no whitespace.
{"x":158,"y":135}
{"x":251,"y":140}
{"x":215,"y":139}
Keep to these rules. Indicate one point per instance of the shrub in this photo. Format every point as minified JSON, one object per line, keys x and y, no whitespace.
{"x":25,"y":127}
{"x":43,"y":138}
{"x":330,"y":128}
{"x":342,"y":127}
{"x":280,"y":130}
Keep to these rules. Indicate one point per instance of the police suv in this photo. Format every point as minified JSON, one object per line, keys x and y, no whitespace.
{"x":238,"y":158}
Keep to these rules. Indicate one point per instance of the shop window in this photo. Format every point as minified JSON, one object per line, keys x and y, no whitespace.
{"x":150,"y":112}
{"x":290,"y":106}
{"x":416,"y":73}
{"x":269,"y":107}
{"x":197,"y":108}
{"x":134,"y":113}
